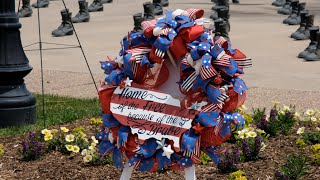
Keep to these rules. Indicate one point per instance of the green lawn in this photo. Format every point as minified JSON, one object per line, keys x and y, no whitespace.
{"x":59,"y":110}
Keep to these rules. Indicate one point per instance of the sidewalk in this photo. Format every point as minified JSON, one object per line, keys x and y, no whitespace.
{"x":256,"y":29}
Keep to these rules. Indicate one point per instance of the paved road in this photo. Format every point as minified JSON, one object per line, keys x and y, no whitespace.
{"x":256,"y":30}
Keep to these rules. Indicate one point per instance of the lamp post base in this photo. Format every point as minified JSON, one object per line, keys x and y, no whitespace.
{"x":17,"y":106}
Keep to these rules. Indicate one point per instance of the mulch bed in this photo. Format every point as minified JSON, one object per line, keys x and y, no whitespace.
{"x":57,"y":166}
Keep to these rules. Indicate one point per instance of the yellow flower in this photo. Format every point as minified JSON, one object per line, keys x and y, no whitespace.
{"x":48,"y":137}
{"x":69,"y":147}
{"x":301,"y":130}
{"x":87,"y":158}
{"x":275,"y":103}
{"x":84,"y":152}
{"x":252,"y":134}
{"x":313,"y":119}
{"x":268,"y":118}
{"x":45,"y":131}
{"x":70,"y":138}
{"x":64,"y":129}
{"x":82,"y":135}
{"x":250,"y":129}
{"x":310,"y":112}
{"x":286,"y":108}
{"x":94,"y":140}
{"x":54,"y":131}
{"x":75,"y":149}
{"x":91,"y":147}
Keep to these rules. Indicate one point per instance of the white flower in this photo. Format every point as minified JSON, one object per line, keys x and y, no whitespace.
{"x":301,"y":130}
{"x":252,"y":134}
{"x":282,"y":112}
{"x":94,"y":140}
{"x":87,"y":158}
{"x":84,"y":152}
{"x":263,"y":146}
{"x":69,"y":137}
{"x":297,"y":115}
{"x":317,"y":129}
{"x":286,"y":108}
{"x":75,"y":149}
{"x":242,"y":135}
{"x":310,"y":112}
{"x":313,"y":119}
{"x":260,"y":131}
{"x":91,"y":147}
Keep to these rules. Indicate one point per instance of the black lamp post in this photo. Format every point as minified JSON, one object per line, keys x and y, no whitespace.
{"x":17,"y":105}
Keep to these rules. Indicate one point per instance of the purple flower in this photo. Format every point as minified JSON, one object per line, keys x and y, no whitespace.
{"x":273,"y":115}
{"x":246,"y":150}
{"x":257,"y":146}
{"x":236,"y":155}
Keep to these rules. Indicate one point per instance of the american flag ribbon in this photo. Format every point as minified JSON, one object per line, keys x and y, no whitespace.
{"x":188,"y":83}
{"x":196,"y":152}
{"x":222,"y":60}
{"x":221,"y":40}
{"x":244,"y":63}
{"x":192,"y":13}
{"x":218,"y":128}
{"x":165,"y":31}
{"x":211,"y":107}
{"x":134,"y":68}
{"x":207,"y":73}
{"x":146,"y":24}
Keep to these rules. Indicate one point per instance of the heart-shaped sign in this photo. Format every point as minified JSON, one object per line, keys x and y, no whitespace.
{"x":151,"y":113}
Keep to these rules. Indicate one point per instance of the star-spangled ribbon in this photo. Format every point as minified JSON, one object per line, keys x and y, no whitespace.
{"x":189,"y":140}
{"x":137,"y":38}
{"x":208,"y":119}
{"x":211,"y":152}
{"x":115,"y":77}
{"x":238,"y":85}
{"x":127,"y":65}
{"x":123,"y":134}
{"x":146,"y":164}
{"x":229,"y":118}
{"x":163,"y":161}
{"x":117,"y":156}
{"x":148,"y":148}
{"x":108,"y":66}
{"x":109,"y":121}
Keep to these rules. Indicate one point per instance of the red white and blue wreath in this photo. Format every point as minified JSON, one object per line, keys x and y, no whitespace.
{"x":148,"y":127}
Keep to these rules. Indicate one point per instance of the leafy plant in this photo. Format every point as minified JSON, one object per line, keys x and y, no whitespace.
{"x":238,"y":175}
{"x":66,"y":142}
{"x":316,"y":154}
{"x":258,"y":114}
{"x":32,"y":148}
{"x":294,"y":168}
{"x":300,"y":143}
{"x":251,"y":148}
{"x":279,"y":120}
{"x":286,"y":120}
{"x":204,"y":158}
{"x":311,"y":137}
{"x":228,"y":161}
{"x":1,"y":150}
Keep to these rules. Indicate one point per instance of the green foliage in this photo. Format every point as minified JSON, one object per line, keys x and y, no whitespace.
{"x":97,"y":160}
{"x":311,"y":137}
{"x":258,"y":114}
{"x":300,"y":143}
{"x":286,"y":120}
{"x":238,"y":175}
{"x":1,"y":150}
{"x":205,"y":159}
{"x":294,"y":168}
{"x":316,"y":154}
{"x":59,"y":110}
